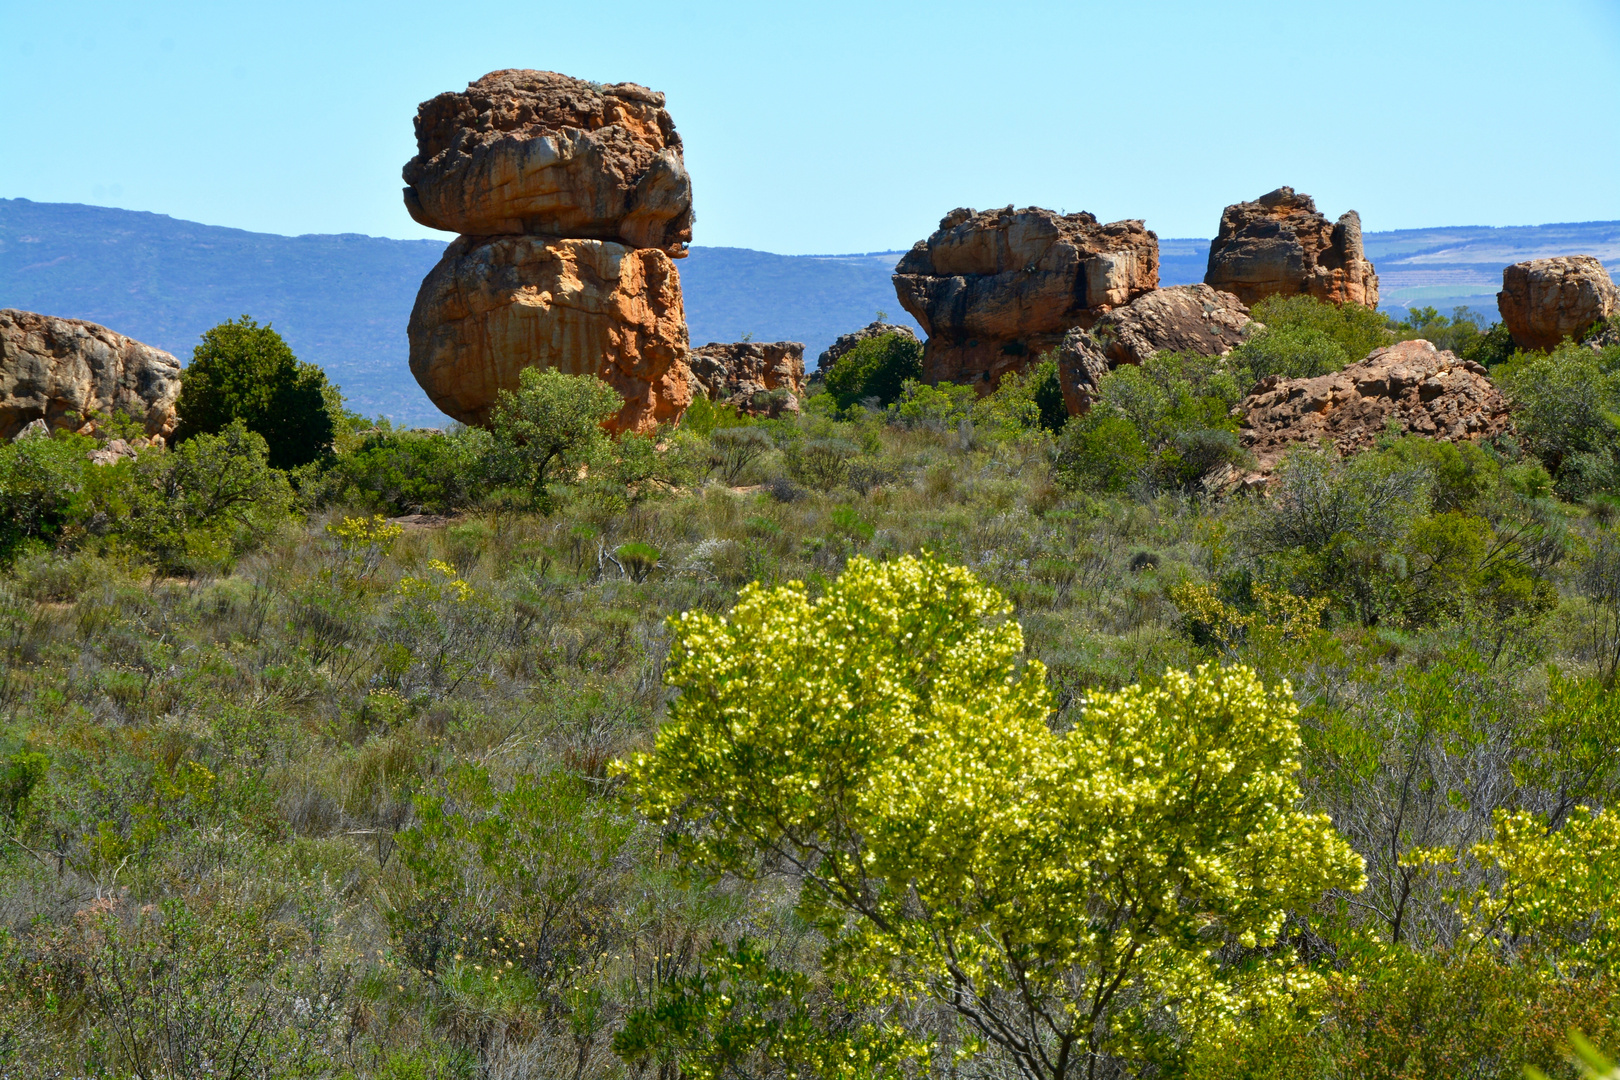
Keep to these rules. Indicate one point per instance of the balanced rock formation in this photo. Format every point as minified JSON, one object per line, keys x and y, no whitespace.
{"x":1425,"y":390}
{"x":573,"y":199}
{"x":1183,"y":318}
{"x":1544,"y":301}
{"x":1279,"y":245}
{"x":993,"y":290}
{"x":541,"y":153}
{"x":746,"y":374}
{"x":496,"y":305}
{"x":846,"y":342}
{"x":50,"y":368}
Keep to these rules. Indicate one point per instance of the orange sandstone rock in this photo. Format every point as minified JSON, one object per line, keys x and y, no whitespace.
{"x":1543,"y":301}
{"x":51,"y":367}
{"x":745,"y":373}
{"x":496,"y":305}
{"x":1279,"y":245}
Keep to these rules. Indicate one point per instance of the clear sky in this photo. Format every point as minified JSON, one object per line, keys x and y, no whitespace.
{"x":839,"y":126}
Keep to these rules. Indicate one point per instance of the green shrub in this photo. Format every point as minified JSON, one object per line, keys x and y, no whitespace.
{"x":408,"y":472}
{"x":42,"y":490}
{"x":1357,"y":330}
{"x":1457,"y":333}
{"x":551,"y":428}
{"x":1565,"y":404}
{"x":244,"y":371}
{"x":822,"y":464}
{"x":876,"y":368}
{"x":1291,"y":353}
{"x":733,"y":449}
{"x":1101,"y":451}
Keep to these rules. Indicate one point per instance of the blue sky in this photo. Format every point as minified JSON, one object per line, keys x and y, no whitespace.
{"x":838,"y":127}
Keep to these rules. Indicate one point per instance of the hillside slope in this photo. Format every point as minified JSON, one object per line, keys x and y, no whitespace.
{"x":342,"y":301}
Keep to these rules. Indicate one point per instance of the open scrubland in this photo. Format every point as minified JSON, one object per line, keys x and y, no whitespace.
{"x":915,"y":733}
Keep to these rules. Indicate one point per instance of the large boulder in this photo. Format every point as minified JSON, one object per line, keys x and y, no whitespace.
{"x":993,"y":290}
{"x":541,"y":153}
{"x":745,"y":373}
{"x":496,"y":305}
{"x":1183,"y":318}
{"x":1279,"y":245}
{"x":52,"y":367}
{"x":1544,"y":301}
{"x":830,"y":355}
{"x":1426,"y":392}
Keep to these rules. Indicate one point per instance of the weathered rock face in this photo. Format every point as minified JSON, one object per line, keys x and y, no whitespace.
{"x":535,"y":152}
{"x":745,"y":373}
{"x":1183,"y":318}
{"x":496,"y":305}
{"x":1279,"y":245}
{"x":1543,"y":301}
{"x":846,"y":342}
{"x":1428,"y":392}
{"x":995,"y":289}
{"x":50,"y":367}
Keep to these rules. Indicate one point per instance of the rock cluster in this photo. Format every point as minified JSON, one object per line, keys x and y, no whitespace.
{"x":1279,"y":245}
{"x":993,"y":290}
{"x":747,"y":374}
{"x":573,"y":201}
{"x":846,"y":342}
{"x":1543,"y":301}
{"x":50,"y":368}
{"x":1425,"y":390}
{"x":1183,"y":318}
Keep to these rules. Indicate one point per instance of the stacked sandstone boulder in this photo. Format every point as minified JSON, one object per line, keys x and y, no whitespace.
{"x":1544,"y":301}
{"x":994,"y":290}
{"x":1279,"y":245}
{"x":573,"y":200}
{"x":57,"y":373}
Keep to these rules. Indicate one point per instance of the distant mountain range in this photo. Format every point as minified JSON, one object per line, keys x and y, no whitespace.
{"x":342,"y":301}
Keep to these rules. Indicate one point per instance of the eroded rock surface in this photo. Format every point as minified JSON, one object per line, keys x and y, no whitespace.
{"x":1543,"y":301}
{"x":846,"y":342}
{"x":1425,"y":390}
{"x":994,"y":290}
{"x":745,"y":374}
{"x":494,"y":306}
{"x":535,"y":152}
{"x":1279,"y":245}
{"x":52,"y":367}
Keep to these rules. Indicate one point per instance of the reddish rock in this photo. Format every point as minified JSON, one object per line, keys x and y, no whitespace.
{"x":745,"y":374}
{"x":846,"y":342}
{"x":1544,"y":301}
{"x":1426,"y":391}
{"x":51,"y":367}
{"x":494,"y":306}
{"x":994,"y":290}
{"x":535,"y":152}
{"x":1279,"y":245}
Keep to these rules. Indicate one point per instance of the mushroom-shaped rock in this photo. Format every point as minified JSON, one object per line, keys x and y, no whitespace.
{"x":494,"y":306}
{"x":1425,"y":390}
{"x":1544,"y":301}
{"x":993,"y":290}
{"x":1279,"y":245}
{"x":745,"y":373}
{"x":541,"y":153}
{"x":50,"y":368}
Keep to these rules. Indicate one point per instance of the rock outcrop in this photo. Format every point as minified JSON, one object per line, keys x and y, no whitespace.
{"x":1279,"y":245}
{"x":50,"y":368}
{"x":1183,"y":318}
{"x":749,"y":374}
{"x":535,"y":152}
{"x":572,"y":199}
{"x":496,"y":305}
{"x":846,"y":342}
{"x":1543,"y":301}
{"x":993,"y":290}
{"x":1426,"y":391}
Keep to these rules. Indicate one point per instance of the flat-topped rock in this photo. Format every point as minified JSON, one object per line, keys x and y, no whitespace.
{"x":1426,"y":391}
{"x":745,"y":374}
{"x":1279,"y":245}
{"x":536,"y":152}
{"x":60,"y":371}
{"x":995,"y":289}
{"x":1544,"y":301}
{"x":494,"y":306}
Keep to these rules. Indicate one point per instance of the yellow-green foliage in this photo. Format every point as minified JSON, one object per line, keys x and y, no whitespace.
{"x":891,"y":743}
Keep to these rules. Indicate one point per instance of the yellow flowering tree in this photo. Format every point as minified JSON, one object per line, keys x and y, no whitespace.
{"x":887,"y":744}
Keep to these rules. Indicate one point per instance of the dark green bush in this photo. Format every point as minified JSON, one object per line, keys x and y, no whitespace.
{"x":410,"y":472}
{"x":244,"y":371}
{"x":877,"y":368}
{"x":1565,"y":405}
{"x":42,"y":490}
{"x":1358,"y":330}
{"x":550,"y":429}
